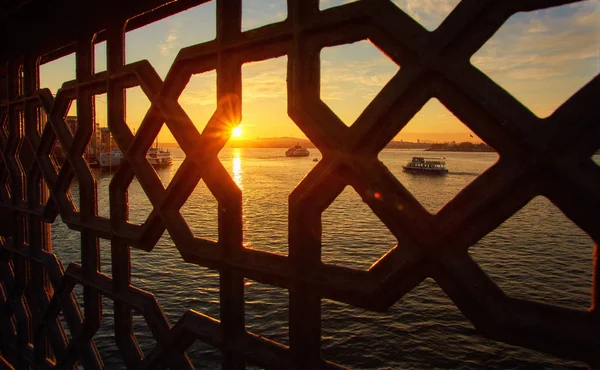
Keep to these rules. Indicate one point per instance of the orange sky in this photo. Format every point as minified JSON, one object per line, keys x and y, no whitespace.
{"x":541,"y":58}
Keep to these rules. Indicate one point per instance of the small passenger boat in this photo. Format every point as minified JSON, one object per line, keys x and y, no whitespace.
{"x":159,"y":157}
{"x":423,"y":165}
{"x":297,"y":151}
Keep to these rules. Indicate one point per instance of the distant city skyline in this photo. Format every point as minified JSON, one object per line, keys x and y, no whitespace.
{"x":540,"y":57}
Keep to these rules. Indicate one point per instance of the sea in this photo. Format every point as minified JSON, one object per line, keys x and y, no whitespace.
{"x":538,"y":254}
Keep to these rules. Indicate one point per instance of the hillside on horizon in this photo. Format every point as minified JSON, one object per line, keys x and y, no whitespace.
{"x":287,"y":142}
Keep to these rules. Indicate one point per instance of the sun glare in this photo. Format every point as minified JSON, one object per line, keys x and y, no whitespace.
{"x":236,"y":132}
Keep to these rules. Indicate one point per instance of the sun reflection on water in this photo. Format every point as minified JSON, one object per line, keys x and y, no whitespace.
{"x":237,"y":167}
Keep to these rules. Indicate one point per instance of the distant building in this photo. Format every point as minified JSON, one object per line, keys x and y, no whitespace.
{"x":93,"y":148}
{"x":107,"y":142}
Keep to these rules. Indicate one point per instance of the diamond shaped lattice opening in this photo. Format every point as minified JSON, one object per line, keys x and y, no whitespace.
{"x":351,"y":76}
{"x":543,"y":57}
{"x":430,"y":14}
{"x":263,"y":160}
{"x":200,"y":212}
{"x":199,"y":98}
{"x":140,"y":206}
{"x":549,"y":257}
{"x":432,"y":136}
{"x":165,"y":156}
{"x":256,"y":14}
{"x":352,"y":235}
{"x":169,"y":35}
{"x":267,"y":312}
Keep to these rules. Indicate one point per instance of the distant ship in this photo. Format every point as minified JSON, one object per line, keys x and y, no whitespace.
{"x":423,"y":165}
{"x":297,"y":151}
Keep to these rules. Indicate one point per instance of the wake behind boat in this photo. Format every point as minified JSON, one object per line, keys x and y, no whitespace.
{"x":297,"y":151}
{"x":424,"y":165}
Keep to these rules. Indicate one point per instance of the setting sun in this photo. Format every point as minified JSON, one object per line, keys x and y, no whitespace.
{"x":236,"y":132}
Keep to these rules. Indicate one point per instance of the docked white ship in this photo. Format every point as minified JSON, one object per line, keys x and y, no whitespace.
{"x":111,"y":159}
{"x":157,"y":157}
{"x":297,"y":151}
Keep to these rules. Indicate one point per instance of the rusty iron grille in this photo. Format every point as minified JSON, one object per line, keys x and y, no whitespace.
{"x":549,"y":157}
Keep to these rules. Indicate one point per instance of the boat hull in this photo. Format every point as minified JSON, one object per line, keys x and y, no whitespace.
{"x":303,"y":154}
{"x":160,"y":162}
{"x":425,"y":171}
{"x":109,"y":160}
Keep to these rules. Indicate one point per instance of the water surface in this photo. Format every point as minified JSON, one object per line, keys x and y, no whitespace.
{"x":537,"y":254}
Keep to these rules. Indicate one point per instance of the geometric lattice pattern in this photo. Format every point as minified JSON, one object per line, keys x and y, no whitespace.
{"x":549,"y":157}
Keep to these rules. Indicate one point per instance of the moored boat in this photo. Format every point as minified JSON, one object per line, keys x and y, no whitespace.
{"x":424,"y":165}
{"x":158,"y":157}
{"x":110,"y":159}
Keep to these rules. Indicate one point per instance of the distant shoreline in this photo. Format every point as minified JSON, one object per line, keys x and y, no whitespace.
{"x":287,"y":142}
{"x":461,"y":147}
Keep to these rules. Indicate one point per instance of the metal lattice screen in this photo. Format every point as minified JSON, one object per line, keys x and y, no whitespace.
{"x":549,"y":157}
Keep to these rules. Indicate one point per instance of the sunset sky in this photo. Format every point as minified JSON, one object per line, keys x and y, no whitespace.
{"x":542,"y":58}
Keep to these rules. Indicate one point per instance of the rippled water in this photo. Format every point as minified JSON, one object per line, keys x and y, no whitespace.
{"x":537,"y":254}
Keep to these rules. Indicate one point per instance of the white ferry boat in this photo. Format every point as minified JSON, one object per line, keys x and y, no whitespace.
{"x":159,"y":157}
{"x":111,"y":159}
{"x":424,"y":165}
{"x":297,"y":151}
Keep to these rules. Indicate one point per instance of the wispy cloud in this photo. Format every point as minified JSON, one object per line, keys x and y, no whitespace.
{"x":430,"y":13}
{"x":349,"y":84}
{"x":200,"y":92}
{"x":265,"y":81}
{"x":167,"y":47}
{"x":543,"y":45}
{"x":543,"y":57}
